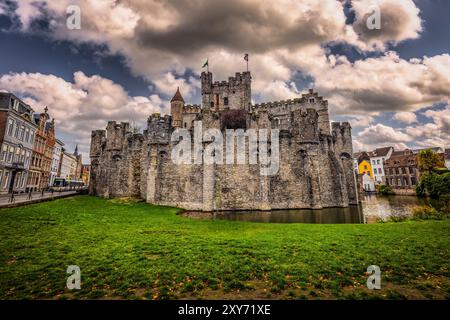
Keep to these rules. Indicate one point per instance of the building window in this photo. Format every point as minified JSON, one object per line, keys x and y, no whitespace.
{"x":17,"y":155}
{"x":378,"y":161}
{"x":380,"y":171}
{"x":4,"y":152}
{"x":225,"y":101}
{"x":312,"y":100}
{"x":16,"y":134}
{"x":5,"y":180}
{"x":10,"y":154}
{"x":22,"y":132}
{"x":10,"y":127}
{"x":17,"y":180}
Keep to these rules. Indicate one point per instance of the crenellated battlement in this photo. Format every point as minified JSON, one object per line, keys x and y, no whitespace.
{"x":239,"y":79}
{"x":158,"y":128}
{"x":311,"y":98}
{"x":192,"y":108}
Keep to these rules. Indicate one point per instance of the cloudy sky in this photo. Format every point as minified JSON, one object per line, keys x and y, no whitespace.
{"x":127,"y":60}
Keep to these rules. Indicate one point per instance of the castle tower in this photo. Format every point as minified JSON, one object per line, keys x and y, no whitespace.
{"x":224,"y":95}
{"x":176,"y":109}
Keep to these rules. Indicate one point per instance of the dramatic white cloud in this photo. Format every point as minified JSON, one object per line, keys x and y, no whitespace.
{"x":406,"y":117}
{"x":165,"y":37}
{"x":400,"y":20}
{"x":83,"y":105}
{"x":416,"y":135}
{"x":168,"y":85}
{"x":163,"y":41}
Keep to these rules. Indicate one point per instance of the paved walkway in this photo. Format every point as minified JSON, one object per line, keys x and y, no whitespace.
{"x":23,"y":199}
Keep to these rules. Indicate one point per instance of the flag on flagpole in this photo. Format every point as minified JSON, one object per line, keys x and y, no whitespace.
{"x":246,"y":59}
{"x":206,"y":64}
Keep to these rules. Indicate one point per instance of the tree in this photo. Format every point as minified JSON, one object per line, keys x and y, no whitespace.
{"x":434,"y":185}
{"x":429,"y":160}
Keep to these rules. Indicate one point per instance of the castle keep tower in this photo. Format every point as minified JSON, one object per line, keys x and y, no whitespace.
{"x":315,"y":164}
{"x":232,"y":94}
{"x":176,"y":109}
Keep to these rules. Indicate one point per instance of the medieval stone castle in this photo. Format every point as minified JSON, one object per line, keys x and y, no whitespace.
{"x":316,"y":168}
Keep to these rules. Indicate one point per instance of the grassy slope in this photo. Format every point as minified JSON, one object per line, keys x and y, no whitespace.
{"x":136,"y":250}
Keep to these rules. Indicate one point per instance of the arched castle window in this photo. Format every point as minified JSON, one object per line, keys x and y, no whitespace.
{"x":345,"y":156}
{"x":276,"y":122}
{"x":212,"y":104}
{"x":302,"y":154}
{"x":116,"y":157}
{"x":162,"y":154}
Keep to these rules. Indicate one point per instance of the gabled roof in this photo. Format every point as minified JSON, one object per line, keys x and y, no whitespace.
{"x":381,"y":152}
{"x":363,"y":156}
{"x":177,"y":96}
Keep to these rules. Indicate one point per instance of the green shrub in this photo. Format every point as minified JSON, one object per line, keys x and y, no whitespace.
{"x":434,"y":185}
{"x":427,"y":213}
{"x":398,"y":218}
{"x":385,"y":190}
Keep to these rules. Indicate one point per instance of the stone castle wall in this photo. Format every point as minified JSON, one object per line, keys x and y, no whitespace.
{"x":316,"y":168}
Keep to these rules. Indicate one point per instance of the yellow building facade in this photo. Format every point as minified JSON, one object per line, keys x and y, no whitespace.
{"x":365,"y":167}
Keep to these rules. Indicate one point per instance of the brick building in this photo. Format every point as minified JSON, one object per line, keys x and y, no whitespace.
{"x":44,"y":143}
{"x":401,"y":170}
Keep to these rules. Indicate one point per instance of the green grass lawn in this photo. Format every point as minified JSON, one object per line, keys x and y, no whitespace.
{"x":135,"y":250}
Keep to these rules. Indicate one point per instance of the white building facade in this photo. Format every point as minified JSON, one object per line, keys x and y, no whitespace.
{"x":368,"y":183}
{"x":377,"y":158}
{"x":68,"y":165}
{"x":56,"y":158}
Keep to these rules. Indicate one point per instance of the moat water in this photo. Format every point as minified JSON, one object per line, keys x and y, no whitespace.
{"x":372,"y":209}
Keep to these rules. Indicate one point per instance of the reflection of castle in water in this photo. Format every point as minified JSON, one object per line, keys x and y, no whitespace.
{"x":372,"y":209}
{"x":352,"y":214}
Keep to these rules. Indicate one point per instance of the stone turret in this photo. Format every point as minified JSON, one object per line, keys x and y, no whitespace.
{"x":176,"y":109}
{"x":232,"y":94}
